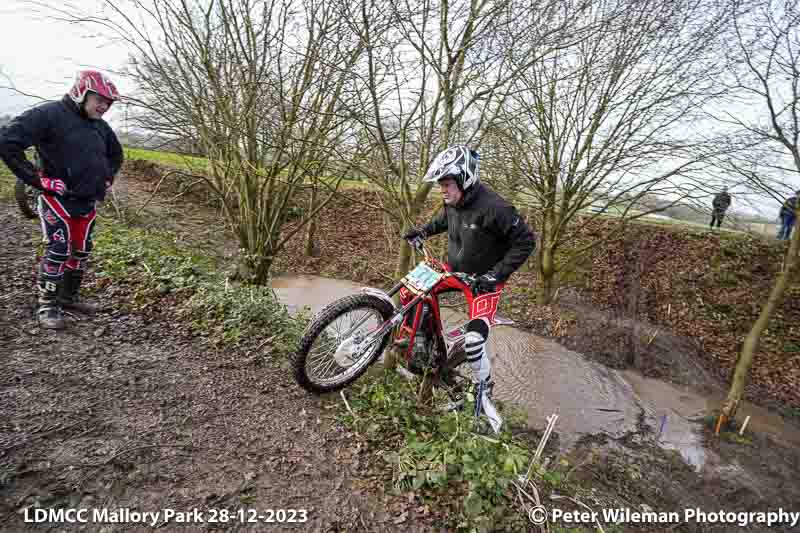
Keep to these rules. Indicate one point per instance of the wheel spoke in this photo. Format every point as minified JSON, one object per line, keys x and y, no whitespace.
{"x":326,"y":365}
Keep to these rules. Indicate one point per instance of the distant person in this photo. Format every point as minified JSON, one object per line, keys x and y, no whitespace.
{"x":719,"y":205}
{"x":79,"y":157}
{"x":787,"y":216}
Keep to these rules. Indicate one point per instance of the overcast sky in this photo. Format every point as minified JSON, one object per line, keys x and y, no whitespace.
{"x":41,"y":56}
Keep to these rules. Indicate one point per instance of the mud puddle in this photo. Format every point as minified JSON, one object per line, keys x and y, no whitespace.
{"x":542,"y":377}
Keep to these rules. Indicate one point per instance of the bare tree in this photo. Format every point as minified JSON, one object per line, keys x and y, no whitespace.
{"x":261,"y":85}
{"x":435,"y":74}
{"x":607,"y":120}
{"x":764,"y":75}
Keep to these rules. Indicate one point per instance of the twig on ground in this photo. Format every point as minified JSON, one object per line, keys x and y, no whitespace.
{"x":380,"y":273}
{"x":551,"y":422}
{"x":534,"y":499}
{"x":38,"y":436}
{"x":347,"y":405}
{"x":263,"y":343}
{"x":186,"y":190}
{"x":10,"y":295}
{"x":153,"y":194}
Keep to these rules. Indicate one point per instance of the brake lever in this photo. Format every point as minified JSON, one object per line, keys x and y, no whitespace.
{"x":467,"y":279}
{"x":416,"y":243}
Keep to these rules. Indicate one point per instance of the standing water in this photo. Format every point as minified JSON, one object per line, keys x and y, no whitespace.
{"x":542,"y":377}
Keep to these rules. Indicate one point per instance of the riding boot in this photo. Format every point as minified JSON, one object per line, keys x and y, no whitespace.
{"x":49,"y":314}
{"x":69,"y":296}
{"x":484,"y":404}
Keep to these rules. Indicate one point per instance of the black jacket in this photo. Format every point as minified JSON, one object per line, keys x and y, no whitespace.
{"x":83,"y":153}
{"x":721,"y":201}
{"x":787,"y":209}
{"x":485,"y":233}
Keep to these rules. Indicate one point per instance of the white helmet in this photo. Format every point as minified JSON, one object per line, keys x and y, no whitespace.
{"x":457,"y":162}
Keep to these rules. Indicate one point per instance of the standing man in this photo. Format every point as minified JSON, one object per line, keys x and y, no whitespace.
{"x":787,"y":216}
{"x":719,"y":205}
{"x":80,"y":155}
{"x":487,"y":238}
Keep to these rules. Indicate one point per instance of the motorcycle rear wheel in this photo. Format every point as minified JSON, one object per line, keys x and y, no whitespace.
{"x":27,"y":198}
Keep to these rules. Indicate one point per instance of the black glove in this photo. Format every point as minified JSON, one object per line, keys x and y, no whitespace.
{"x":413,"y":233}
{"x":485,"y":283}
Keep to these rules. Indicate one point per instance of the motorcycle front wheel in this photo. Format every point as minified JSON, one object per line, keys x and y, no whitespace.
{"x":26,"y":199}
{"x":341,"y":342}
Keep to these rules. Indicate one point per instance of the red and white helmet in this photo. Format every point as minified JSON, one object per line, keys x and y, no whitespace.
{"x":94,"y":81}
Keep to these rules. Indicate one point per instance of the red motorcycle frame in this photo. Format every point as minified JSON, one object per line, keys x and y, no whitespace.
{"x":349,"y":353}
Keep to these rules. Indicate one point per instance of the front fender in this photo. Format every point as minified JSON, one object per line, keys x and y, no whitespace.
{"x":380,"y":294}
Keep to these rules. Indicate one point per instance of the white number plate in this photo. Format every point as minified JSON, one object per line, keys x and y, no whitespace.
{"x":423,"y":278}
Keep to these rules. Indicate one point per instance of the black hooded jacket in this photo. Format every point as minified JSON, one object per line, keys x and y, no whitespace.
{"x":83,"y":153}
{"x":485,"y":233}
{"x":721,"y":201}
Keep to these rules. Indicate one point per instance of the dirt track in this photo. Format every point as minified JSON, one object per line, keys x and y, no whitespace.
{"x":119,"y":411}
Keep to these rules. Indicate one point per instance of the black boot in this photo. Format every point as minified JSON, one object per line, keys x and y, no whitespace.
{"x":69,"y":296}
{"x":49,"y":313}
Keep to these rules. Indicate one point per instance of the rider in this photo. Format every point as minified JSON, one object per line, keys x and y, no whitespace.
{"x":486,"y":237}
{"x":80,"y":156}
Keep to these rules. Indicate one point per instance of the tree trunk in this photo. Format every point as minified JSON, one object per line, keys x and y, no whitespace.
{"x":260,"y":270}
{"x":754,"y":336}
{"x":403,"y":260}
{"x":311,"y":228}
{"x":546,"y":286}
{"x":404,"y":255}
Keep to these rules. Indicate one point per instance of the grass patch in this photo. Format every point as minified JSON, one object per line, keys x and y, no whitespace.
{"x":791,"y":347}
{"x":720,"y":311}
{"x":183,"y":161}
{"x":438,"y":459}
{"x":728,"y":279}
{"x":165,"y":158}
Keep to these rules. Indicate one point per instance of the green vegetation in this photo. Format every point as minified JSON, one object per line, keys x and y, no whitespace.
{"x":7,"y":180}
{"x":720,"y":311}
{"x":442,"y":457}
{"x":728,"y":279}
{"x":165,"y":158}
{"x":152,"y":265}
{"x":791,"y":412}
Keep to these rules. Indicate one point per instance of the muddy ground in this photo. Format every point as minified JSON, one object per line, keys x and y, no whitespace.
{"x":129,"y":410}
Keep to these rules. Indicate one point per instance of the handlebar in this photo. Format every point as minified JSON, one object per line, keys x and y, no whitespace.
{"x":418,"y":243}
{"x":469,"y":279}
